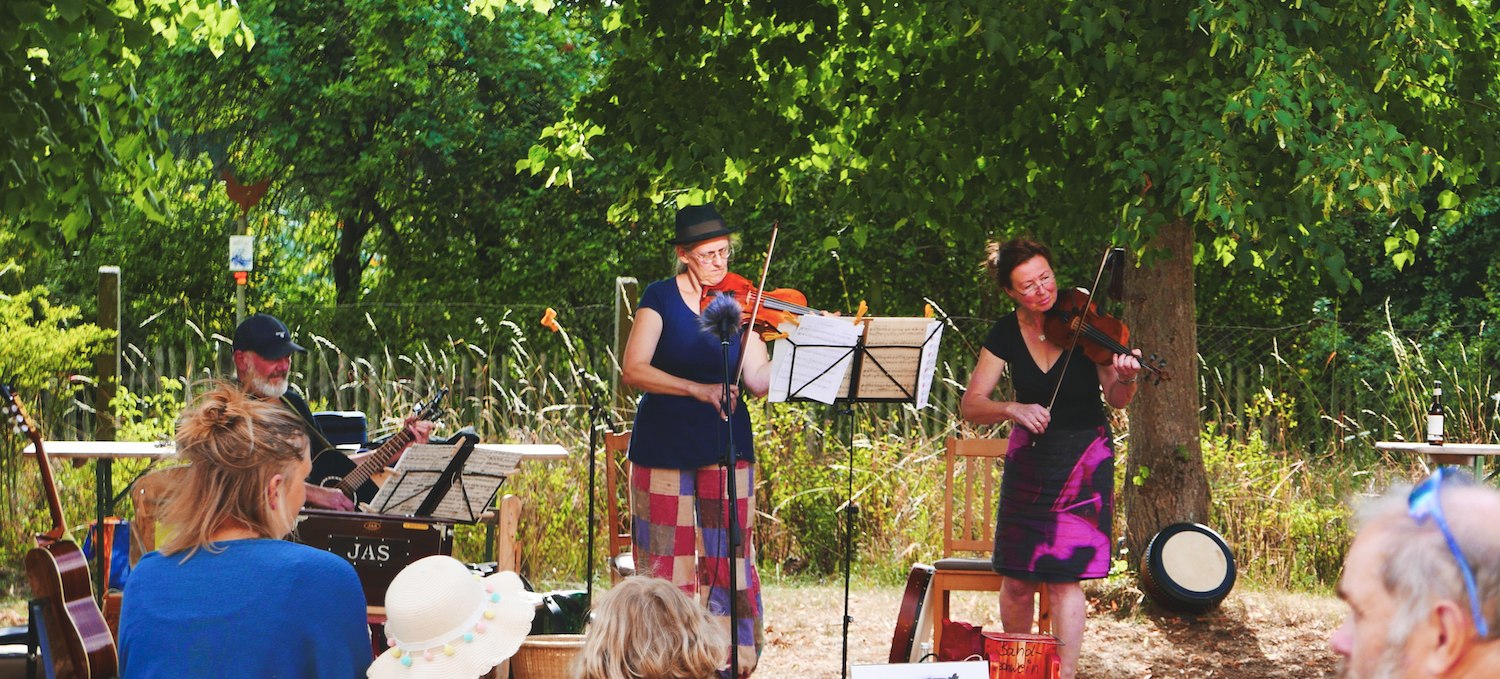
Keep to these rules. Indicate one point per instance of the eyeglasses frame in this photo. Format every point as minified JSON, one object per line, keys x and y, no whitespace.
{"x":1423,"y":503}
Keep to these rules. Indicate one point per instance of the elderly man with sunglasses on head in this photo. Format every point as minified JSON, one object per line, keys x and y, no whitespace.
{"x":1422,"y":582}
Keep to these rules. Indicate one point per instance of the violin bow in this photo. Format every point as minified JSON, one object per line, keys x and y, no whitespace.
{"x":760,"y":295}
{"x":1068,"y":355}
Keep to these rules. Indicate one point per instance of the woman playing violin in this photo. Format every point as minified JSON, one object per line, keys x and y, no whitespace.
{"x":677,"y":486}
{"x":1057,"y":488}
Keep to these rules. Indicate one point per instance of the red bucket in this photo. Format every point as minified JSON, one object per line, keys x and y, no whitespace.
{"x":1021,"y":656}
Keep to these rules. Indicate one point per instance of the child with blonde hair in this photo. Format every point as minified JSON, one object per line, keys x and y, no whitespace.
{"x":646,"y":628}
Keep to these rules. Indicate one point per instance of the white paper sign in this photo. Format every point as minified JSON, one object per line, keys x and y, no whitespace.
{"x":928,"y":670}
{"x":241,"y":253}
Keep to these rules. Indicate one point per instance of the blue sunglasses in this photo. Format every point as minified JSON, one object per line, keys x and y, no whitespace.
{"x":1422,"y":505}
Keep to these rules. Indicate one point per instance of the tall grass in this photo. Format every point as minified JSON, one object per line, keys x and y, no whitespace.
{"x":1283,"y":457}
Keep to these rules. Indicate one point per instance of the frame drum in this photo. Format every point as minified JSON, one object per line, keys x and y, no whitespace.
{"x":1187,"y":568}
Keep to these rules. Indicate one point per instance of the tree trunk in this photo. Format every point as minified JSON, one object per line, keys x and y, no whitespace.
{"x":348,"y":269}
{"x":1164,"y":478}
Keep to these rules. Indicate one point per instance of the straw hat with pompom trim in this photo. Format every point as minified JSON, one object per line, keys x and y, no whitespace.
{"x":444,"y":621}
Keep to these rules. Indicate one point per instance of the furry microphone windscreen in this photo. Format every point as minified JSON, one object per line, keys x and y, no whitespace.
{"x":722,"y":317}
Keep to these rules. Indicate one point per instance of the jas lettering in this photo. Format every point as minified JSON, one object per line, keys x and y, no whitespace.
{"x":369,"y":553}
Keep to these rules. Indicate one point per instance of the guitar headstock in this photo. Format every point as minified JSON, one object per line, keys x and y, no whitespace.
{"x":431,"y":409}
{"x":15,"y":416}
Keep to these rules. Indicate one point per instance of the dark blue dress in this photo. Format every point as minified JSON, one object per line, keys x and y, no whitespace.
{"x":681,"y":432}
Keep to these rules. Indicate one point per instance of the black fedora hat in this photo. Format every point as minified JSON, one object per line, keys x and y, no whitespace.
{"x":698,"y":223}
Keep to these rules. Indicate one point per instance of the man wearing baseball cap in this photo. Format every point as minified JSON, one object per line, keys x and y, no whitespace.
{"x":263,"y":349}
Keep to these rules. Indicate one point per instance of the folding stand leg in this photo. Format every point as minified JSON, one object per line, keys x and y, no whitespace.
{"x":851,"y":512}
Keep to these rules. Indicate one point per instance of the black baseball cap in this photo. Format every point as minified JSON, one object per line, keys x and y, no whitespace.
{"x":265,"y":335}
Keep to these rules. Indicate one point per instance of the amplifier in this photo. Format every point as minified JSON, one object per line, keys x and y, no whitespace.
{"x":378,"y":546}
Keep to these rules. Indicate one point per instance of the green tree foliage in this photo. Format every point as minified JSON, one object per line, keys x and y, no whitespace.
{"x":1236,"y":132}
{"x":392,"y":130}
{"x":1257,"y":121}
{"x":43,"y":344}
{"x":77,"y":134}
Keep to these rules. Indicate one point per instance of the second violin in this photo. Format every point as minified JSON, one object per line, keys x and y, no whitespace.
{"x":1074,"y":319}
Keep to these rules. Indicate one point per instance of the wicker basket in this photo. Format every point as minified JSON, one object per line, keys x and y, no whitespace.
{"x":545,"y":656}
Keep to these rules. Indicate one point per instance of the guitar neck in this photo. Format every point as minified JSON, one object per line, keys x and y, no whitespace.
{"x":24,"y":424}
{"x":59,"y":524}
{"x":376,"y":460}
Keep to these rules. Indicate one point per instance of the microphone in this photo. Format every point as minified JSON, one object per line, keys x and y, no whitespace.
{"x":722,"y":317}
{"x":1116,"y":268}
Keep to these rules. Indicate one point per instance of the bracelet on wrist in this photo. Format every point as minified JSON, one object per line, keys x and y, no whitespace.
{"x":1125,"y":381}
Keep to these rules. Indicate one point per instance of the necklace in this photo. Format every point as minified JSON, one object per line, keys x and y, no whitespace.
{"x":1041,"y":334}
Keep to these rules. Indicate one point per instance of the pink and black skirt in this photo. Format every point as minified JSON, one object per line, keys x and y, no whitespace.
{"x":1056,"y":506}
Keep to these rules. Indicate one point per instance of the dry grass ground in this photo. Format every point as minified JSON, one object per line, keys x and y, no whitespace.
{"x":1252,"y":635}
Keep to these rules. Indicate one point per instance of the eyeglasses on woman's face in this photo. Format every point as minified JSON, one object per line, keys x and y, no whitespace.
{"x":1423,"y":504}
{"x":720,"y":254}
{"x":1035,"y":286}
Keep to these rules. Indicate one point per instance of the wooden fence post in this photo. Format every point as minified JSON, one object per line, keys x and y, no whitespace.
{"x":627,"y":293}
{"x":107,"y":365}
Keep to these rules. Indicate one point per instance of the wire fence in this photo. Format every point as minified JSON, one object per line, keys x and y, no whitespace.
{"x":1316,"y":387}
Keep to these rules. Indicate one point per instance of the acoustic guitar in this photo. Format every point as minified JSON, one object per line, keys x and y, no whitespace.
{"x":338,"y":471}
{"x":78,"y":638}
{"x":910,"y":617}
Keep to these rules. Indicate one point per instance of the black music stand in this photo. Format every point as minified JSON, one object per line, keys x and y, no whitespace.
{"x":459,"y":491}
{"x":879,"y":373}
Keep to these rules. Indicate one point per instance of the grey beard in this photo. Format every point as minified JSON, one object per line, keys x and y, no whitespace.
{"x":262,"y":387}
{"x":1392,"y":661}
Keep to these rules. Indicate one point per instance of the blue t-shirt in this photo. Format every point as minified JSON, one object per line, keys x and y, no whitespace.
{"x":260,"y":608}
{"x":681,"y":432}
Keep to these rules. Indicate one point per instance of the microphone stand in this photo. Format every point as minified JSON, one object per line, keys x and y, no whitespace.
{"x":595,"y":410}
{"x":549,"y":321}
{"x":732,"y":527}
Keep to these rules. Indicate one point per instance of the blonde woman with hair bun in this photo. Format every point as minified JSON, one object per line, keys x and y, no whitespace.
{"x":225,"y":595}
{"x":646,"y":628}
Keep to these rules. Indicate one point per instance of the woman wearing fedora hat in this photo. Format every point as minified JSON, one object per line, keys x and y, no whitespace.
{"x":224,"y":595}
{"x":677,"y":446}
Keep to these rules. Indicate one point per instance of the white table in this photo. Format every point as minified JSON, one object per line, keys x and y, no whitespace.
{"x":530,"y":452}
{"x":104,"y":453}
{"x":1470,"y":454}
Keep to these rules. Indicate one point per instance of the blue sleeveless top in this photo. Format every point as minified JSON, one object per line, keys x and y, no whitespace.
{"x":681,"y":432}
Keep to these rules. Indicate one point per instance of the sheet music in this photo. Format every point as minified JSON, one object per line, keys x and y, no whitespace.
{"x":900,"y":359}
{"x":929,"y":363}
{"x":420,"y":468}
{"x":813,"y":360}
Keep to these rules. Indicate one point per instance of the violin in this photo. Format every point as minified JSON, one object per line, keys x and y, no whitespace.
{"x":775,"y":306}
{"x":1075,"y":320}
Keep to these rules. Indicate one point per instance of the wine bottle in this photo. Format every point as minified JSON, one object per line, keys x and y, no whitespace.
{"x":1435,"y":415}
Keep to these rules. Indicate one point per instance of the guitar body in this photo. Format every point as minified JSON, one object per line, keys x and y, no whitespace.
{"x":79,"y":638}
{"x":909,"y":618}
{"x":332,"y":466}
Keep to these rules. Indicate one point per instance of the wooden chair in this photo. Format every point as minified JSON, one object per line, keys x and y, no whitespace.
{"x":617,"y":496}
{"x":146,"y":496}
{"x":971,"y":490}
